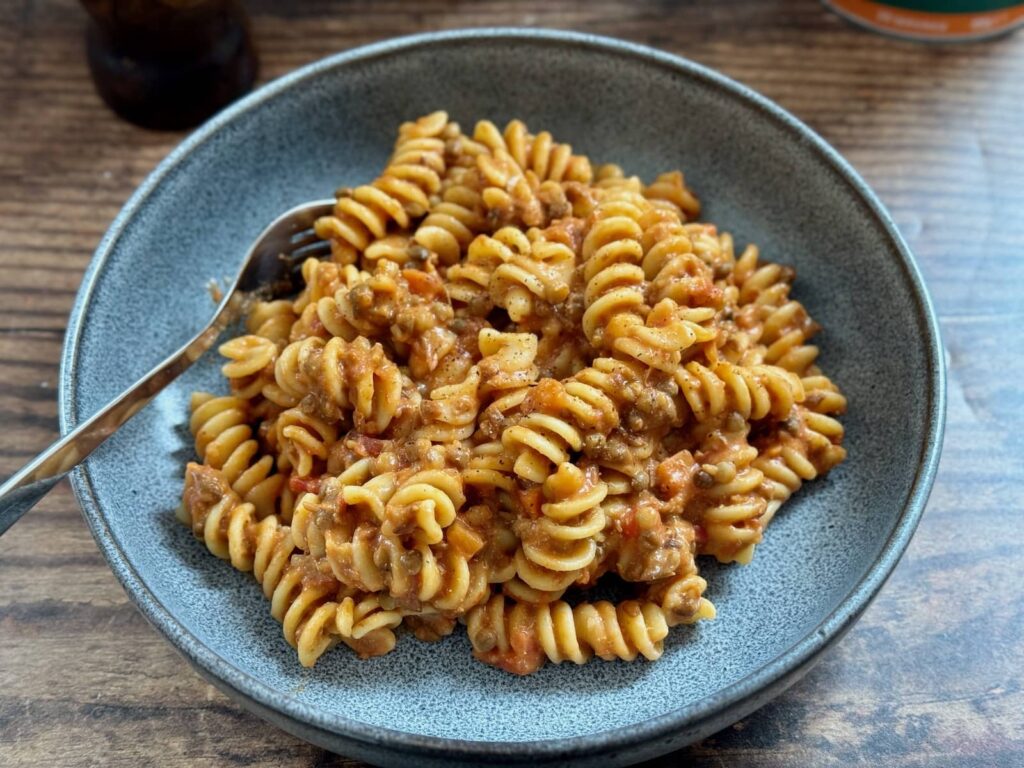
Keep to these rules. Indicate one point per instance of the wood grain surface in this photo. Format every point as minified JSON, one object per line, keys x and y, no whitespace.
{"x":933,"y":673}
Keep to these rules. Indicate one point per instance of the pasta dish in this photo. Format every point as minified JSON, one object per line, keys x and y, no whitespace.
{"x":518,"y":375}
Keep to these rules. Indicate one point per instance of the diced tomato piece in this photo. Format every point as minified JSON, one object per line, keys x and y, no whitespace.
{"x":523,"y":658}
{"x":369,"y":446}
{"x":530,"y":501}
{"x":304,"y":484}
{"x":674,"y":475}
{"x":569,"y":231}
{"x":700,"y":535}
{"x":629,"y":525}
{"x":423,"y":283}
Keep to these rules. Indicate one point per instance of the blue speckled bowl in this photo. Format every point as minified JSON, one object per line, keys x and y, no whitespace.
{"x":762,"y":175}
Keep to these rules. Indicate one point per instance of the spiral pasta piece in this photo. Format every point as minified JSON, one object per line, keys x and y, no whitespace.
{"x":595,"y":396}
{"x":510,"y":194}
{"x":397,"y":248}
{"x":303,"y":441}
{"x":368,"y":493}
{"x":659,"y":341}
{"x":324,"y":278}
{"x":251,"y":365}
{"x":224,"y":441}
{"x":224,"y":526}
{"x":301,"y":601}
{"x":451,"y":412}
{"x":520,"y":637}
{"x":300,"y":596}
{"x":547,"y":159}
{"x":416,"y":576}
{"x":490,"y":469}
{"x":540,"y":274}
{"x":425,"y":504}
{"x":272,"y":320}
{"x":449,"y":578}
{"x":354,"y":559}
{"x":822,"y":395}
{"x":615,"y":280}
{"x":508,"y":369}
{"x":366,"y":625}
{"x":452,"y":224}
{"x":780,"y":325}
{"x":572,"y":511}
{"x":673,"y":267}
{"x":401,"y":193}
{"x":345,"y":379}
{"x":731,"y":502}
{"x":539,"y":441}
{"x":579,"y":414}
{"x":315,"y":513}
{"x":681,"y":599}
{"x":754,"y":392}
{"x":806,"y":445}
{"x":309,"y":525}
{"x":785,"y":331}
{"x":535,"y":583}
{"x":463,"y":580}
{"x":470,"y":281}
{"x":553,"y":161}
{"x":610,"y":181}
{"x":562,"y":538}
{"x":671,"y":188}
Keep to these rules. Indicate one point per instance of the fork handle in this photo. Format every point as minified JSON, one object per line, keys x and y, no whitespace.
{"x":28,"y":485}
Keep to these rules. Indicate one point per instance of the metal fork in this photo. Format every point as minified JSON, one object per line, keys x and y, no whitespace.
{"x":268,"y":272}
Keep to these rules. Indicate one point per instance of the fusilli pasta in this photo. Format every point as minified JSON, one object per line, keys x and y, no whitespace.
{"x":517,"y":376}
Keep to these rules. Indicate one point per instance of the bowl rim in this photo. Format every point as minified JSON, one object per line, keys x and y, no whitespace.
{"x":772,"y":676}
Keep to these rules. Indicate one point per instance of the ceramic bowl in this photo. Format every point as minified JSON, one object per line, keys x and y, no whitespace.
{"x":761,"y":174}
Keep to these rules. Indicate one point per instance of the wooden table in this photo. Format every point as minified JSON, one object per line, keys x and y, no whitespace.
{"x":933,"y":675}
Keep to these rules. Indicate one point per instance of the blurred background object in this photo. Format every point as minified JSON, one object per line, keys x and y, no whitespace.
{"x":169,"y":64}
{"x":934,"y":20}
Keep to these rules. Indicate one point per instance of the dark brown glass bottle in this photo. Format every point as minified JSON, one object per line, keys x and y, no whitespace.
{"x":169,"y":64}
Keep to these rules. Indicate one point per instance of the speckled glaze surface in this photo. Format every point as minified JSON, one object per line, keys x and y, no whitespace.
{"x":761,"y":174}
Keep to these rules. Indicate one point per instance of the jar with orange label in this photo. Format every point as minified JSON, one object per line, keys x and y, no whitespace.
{"x":934,"y":20}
